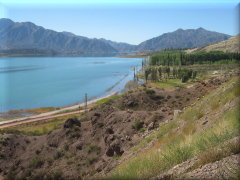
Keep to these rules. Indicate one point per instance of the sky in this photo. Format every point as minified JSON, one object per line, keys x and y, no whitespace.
{"x":131,"y":21}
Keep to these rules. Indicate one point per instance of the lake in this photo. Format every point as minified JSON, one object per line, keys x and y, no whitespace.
{"x":33,"y":82}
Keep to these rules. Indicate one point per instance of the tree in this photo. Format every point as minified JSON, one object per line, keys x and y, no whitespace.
{"x":146,"y":74}
{"x":160,"y":72}
{"x":194,"y":74}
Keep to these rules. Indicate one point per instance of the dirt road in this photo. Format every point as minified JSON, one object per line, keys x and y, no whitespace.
{"x":48,"y":115}
{"x":15,"y":123}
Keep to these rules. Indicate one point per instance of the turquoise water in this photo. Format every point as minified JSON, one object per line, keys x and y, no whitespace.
{"x":32,"y":82}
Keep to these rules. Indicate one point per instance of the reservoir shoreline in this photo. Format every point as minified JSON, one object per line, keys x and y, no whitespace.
{"x":31,"y":83}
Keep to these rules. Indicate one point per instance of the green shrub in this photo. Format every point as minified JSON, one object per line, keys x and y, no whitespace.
{"x":142,"y":130}
{"x":137,"y":125}
{"x":37,"y":151}
{"x":58,"y":155}
{"x":37,"y":162}
{"x":94,"y":149}
{"x":91,"y":159}
{"x":57,"y":175}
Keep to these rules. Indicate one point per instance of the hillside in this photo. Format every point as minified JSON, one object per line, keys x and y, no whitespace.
{"x":230,"y":45}
{"x":200,"y":142}
{"x":129,"y":129}
{"x":183,"y":39}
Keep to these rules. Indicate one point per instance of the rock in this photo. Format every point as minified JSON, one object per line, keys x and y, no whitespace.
{"x":114,"y":148}
{"x":175,"y":113}
{"x":131,"y":104}
{"x":79,"y":146}
{"x":128,"y":138}
{"x":129,"y":111}
{"x":95,"y":117}
{"x":151,"y":126}
{"x":97,"y":114}
{"x":109,"y":138}
{"x":72,"y":122}
{"x":117,"y":149}
{"x":109,"y":131}
{"x":110,"y":152}
{"x":164,"y":109}
{"x":100,"y":124}
{"x":205,"y":122}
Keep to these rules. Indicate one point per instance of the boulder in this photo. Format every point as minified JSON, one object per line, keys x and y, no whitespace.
{"x":79,"y":146}
{"x":117,"y":149}
{"x":109,"y":131}
{"x":72,"y":122}
{"x":151,"y":126}
{"x":114,"y":149}
{"x":110,"y":152}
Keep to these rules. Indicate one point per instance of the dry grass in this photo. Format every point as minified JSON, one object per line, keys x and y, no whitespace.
{"x":33,"y":111}
{"x":175,"y":146}
{"x":169,"y":84}
{"x":39,"y":128}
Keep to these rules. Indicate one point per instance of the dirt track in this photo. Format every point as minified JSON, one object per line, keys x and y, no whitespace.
{"x":10,"y":124}
{"x":48,"y":115}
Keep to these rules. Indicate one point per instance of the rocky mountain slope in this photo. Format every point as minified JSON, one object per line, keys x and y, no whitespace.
{"x":183,"y":39}
{"x":16,"y":36}
{"x":230,"y":45}
{"x":123,"y":48}
{"x":26,"y":35}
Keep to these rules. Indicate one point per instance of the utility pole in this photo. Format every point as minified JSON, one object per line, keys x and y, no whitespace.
{"x":86,"y":100}
{"x":134,"y":73}
{"x":137,"y":75}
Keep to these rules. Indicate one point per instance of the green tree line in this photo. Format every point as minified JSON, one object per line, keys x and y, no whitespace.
{"x":159,"y":73}
{"x":169,"y":58}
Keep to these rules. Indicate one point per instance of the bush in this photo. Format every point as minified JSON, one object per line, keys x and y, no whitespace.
{"x":57,"y":175}
{"x":58,"y":155}
{"x":38,"y":151}
{"x":39,"y":175}
{"x":94,"y":148}
{"x":137,"y":125}
{"x":150,"y":92}
{"x":91,"y":159}
{"x":142,"y":130}
{"x":37,"y":162}
{"x":184,"y":78}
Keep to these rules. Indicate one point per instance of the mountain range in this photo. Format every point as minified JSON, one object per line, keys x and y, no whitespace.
{"x":28,"y":37}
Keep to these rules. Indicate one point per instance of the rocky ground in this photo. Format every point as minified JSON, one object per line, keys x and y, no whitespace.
{"x":92,"y":144}
{"x":226,"y":168}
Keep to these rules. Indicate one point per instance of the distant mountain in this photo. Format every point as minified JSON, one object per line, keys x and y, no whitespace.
{"x":28,"y":38}
{"x":230,"y":45}
{"x":183,"y":39}
{"x":68,"y":33}
{"x":27,"y":35}
{"x":120,"y":46}
{"x":27,"y":52}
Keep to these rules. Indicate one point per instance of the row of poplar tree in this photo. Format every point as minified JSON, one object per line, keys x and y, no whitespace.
{"x":158,"y":73}
{"x":181,"y":58}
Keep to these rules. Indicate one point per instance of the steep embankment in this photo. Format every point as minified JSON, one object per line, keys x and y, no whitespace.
{"x":107,"y":135}
{"x":194,"y":144}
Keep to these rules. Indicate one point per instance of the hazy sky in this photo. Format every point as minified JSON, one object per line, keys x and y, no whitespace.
{"x":125,"y":20}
